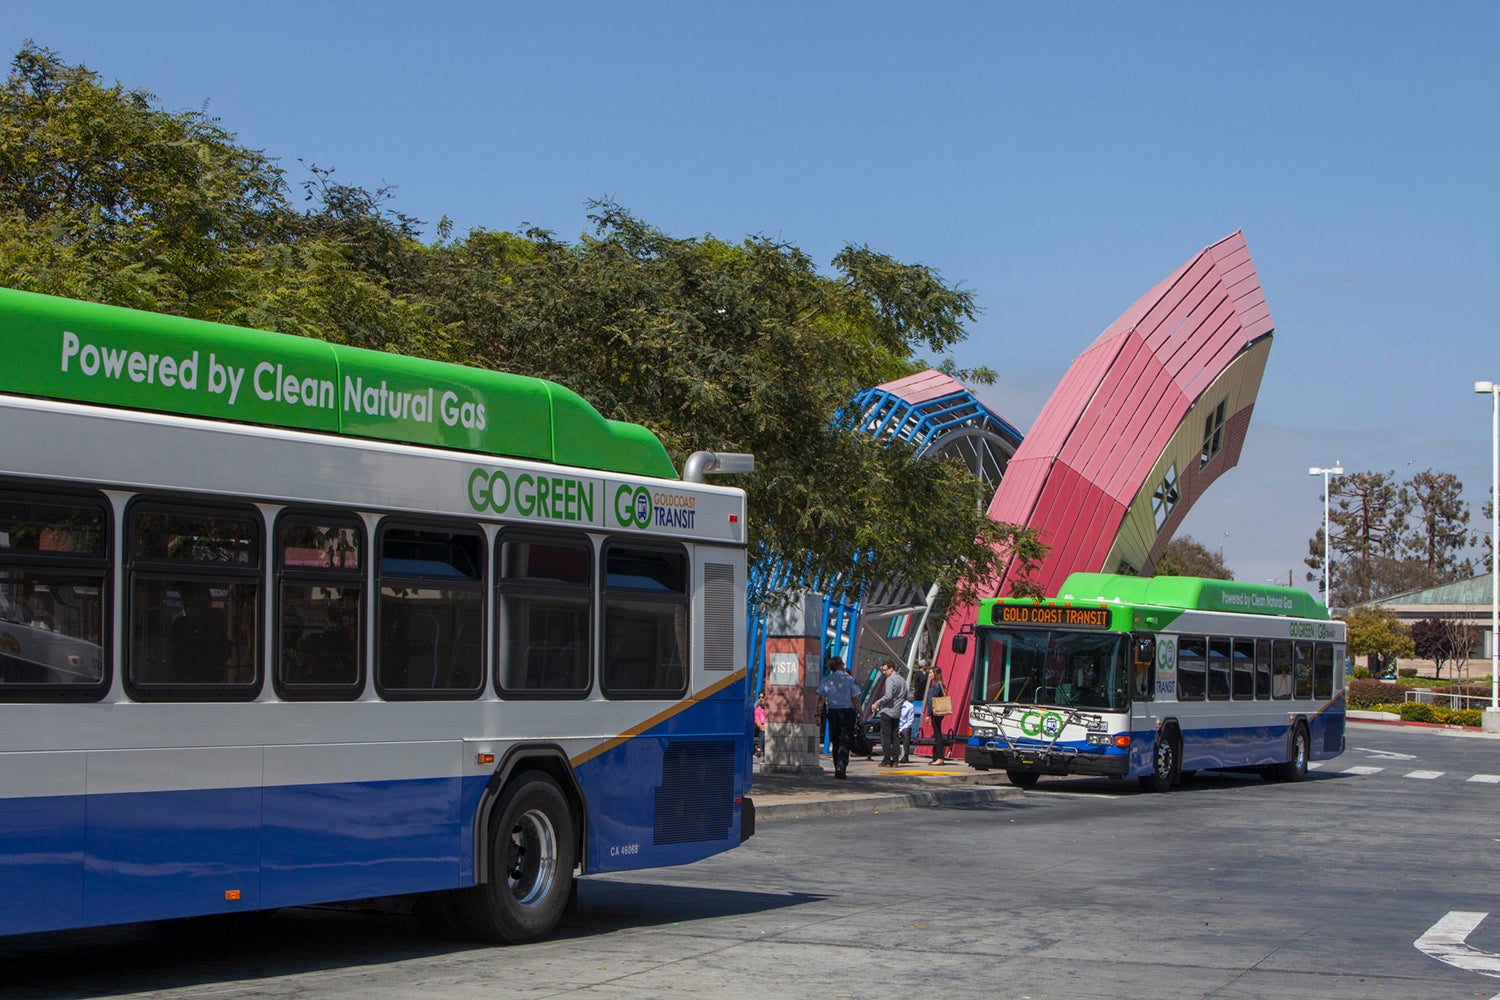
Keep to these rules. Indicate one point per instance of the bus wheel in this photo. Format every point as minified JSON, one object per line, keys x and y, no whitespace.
{"x":1295,"y":769}
{"x":1165,"y":760}
{"x":1022,"y":779}
{"x":532,"y":852}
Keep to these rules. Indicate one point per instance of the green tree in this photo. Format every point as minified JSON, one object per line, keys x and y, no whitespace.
{"x":1441,"y":641}
{"x":1375,"y":633}
{"x":1185,"y":556}
{"x":1439,"y":525}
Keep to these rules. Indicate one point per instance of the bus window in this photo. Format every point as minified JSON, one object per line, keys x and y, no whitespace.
{"x":430,"y":619}
{"x":1143,"y":687}
{"x":1304,"y":688}
{"x":1219,"y":661}
{"x":1192,"y":664}
{"x":319,"y":608}
{"x":1244,"y":669}
{"x":1263,"y":668}
{"x":645,"y":621}
{"x":1281,"y":668}
{"x":194,"y":585}
{"x":1322,"y":670}
{"x":544,"y":631}
{"x":53,"y":577}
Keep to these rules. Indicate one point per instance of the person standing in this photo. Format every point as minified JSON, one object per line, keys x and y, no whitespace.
{"x":840,"y":694}
{"x":888,"y":707}
{"x":939,"y":706}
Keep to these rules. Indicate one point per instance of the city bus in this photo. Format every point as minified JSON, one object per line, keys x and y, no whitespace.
{"x":284,"y":622}
{"x":1155,"y":678}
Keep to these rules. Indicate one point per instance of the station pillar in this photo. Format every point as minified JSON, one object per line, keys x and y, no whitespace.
{"x":794,"y":665}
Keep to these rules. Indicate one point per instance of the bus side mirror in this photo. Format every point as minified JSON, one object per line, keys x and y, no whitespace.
{"x":960,"y":644}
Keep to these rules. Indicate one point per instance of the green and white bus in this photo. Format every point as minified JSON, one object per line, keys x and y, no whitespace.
{"x":1156,"y":677}
{"x":284,"y":622}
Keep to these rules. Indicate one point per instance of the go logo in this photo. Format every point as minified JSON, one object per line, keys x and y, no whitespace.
{"x":1041,"y":724}
{"x":633,"y":507}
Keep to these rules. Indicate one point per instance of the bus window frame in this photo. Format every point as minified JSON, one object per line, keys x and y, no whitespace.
{"x":481,"y":586}
{"x":165,"y":569}
{"x":288,"y":690}
{"x":684,"y":599}
{"x":535,"y":587}
{"x":101,"y":566}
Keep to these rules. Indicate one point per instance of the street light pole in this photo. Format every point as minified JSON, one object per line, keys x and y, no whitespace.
{"x":1492,"y":722}
{"x":1334,"y":470}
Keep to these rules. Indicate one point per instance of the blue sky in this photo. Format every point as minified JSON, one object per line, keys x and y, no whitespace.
{"x":1056,"y":159}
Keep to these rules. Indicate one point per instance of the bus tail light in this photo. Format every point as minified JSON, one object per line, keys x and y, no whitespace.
{"x":1122,"y":739}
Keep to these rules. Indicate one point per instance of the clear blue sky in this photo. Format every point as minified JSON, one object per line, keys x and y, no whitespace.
{"x":1057,"y":159}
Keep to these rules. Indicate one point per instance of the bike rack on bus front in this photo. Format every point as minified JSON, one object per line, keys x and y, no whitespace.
{"x":999,"y":715}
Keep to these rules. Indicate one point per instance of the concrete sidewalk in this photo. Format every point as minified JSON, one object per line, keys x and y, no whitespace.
{"x":871,"y":789}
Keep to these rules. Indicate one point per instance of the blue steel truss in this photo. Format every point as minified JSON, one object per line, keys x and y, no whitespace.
{"x":956,"y":425}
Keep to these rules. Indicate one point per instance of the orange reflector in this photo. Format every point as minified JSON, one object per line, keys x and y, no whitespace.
{"x":1122,"y":739}
{"x":486,"y":758}
{"x":231,"y":894}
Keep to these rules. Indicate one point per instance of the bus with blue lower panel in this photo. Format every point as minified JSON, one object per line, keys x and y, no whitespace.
{"x":287,"y":623}
{"x":1156,"y":677}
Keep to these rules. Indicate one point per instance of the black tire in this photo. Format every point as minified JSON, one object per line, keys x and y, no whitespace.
{"x":1022,"y":779}
{"x":1295,"y":768}
{"x":532,"y":854}
{"x":1166,"y":760}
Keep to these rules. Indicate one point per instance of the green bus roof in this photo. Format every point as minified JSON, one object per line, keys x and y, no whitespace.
{"x":84,"y":352}
{"x":1191,"y":593}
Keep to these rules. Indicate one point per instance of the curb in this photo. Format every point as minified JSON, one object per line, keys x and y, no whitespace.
{"x":875,"y":802}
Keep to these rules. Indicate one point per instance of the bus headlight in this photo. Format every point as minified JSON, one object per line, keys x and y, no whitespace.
{"x":983,"y":732}
{"x":1100,"y":740}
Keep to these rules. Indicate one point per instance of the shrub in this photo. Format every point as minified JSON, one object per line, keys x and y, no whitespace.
{"x":1366,"y":693}
{"x":1360,"y":673}
{"x":1416,"y":711}
{"x":1468,"y":717}
{"x":1406,"y":672}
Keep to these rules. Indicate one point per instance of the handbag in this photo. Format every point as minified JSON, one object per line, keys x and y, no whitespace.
{"x":942,"y":705}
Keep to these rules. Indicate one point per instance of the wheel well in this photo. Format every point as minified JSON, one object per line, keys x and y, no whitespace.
{"x":547,"y":759}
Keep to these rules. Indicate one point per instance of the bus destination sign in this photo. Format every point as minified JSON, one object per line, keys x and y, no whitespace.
{"x":1051,"y":614}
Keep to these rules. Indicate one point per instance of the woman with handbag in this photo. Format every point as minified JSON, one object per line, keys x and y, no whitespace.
{"x":939,"y":706}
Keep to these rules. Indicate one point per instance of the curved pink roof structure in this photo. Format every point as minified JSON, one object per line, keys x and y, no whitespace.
{"x":1153,"y":412}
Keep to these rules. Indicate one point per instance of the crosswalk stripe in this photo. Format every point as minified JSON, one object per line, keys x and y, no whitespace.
{"x":1424,"y":775}
{"x":1488,"y":779}
{"x":1363,"y":770}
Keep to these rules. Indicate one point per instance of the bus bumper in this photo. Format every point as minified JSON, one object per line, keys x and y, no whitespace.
{"x":1045,"y":762}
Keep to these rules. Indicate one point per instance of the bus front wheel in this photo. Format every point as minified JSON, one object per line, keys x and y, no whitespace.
{"x":532,"y":854}
{"x":1022,"y":779}
{"x":1165,"y":761}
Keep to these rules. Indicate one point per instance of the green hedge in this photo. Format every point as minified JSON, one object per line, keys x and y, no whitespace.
{"x":1367,"y":693}
{"x":1416,"y":711}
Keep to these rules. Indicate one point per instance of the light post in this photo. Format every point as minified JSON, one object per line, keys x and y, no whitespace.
{"x":1334,"y":470}
{"x":1492,"y":717}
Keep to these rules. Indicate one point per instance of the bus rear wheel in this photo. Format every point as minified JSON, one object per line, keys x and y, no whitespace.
{"x":1295,"y":768}
{"x":1022,"y":779}
{"x":1165,"y":761}
{"x":531,"y":860}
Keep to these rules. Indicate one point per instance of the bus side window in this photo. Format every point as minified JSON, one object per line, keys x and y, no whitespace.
{"x":1143,"y":687}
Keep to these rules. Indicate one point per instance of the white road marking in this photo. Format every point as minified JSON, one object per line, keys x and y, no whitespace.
{"x":1386,"y":754}
{"x":1447,"y":941}
{"x":1315,"y":765}
{"x":1487,"y":779}
{"x":1362,"y":769}
{"x":1424,"y":775}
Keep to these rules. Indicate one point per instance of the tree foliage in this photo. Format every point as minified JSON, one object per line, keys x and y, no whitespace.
{"x":1444,"y":640}
{"x":1376,"y":633}
{"x":1186,"y":556}
{"x":728,"y":345}
{"x":1387,"y":537}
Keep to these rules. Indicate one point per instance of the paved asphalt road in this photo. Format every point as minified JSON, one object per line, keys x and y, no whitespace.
{"x":1227,"y":888}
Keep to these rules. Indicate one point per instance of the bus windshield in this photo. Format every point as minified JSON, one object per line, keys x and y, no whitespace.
{"x":1053,"y":667}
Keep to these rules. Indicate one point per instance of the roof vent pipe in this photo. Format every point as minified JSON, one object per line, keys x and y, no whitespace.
{"x":703,"y":463}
